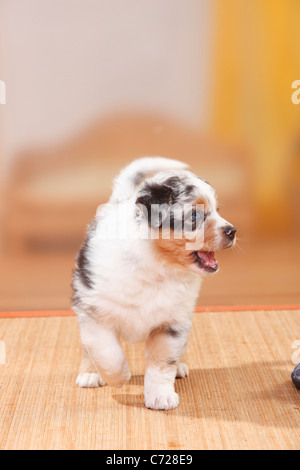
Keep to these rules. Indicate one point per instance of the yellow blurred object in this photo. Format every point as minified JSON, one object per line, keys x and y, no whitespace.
{"x":257,"y":57}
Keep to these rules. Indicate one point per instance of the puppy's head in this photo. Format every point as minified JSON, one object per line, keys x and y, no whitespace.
{"x":186,"y":227}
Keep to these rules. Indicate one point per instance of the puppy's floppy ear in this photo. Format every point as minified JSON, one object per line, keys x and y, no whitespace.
{"x":155,"y":200}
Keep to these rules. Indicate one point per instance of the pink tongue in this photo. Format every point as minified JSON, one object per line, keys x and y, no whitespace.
{"x":208,"y":257}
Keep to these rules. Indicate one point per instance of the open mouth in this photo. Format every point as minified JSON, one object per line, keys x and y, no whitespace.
{"x":205,"y":260}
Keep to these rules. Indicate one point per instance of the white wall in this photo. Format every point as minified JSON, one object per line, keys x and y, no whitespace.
{"x":66,"y":62}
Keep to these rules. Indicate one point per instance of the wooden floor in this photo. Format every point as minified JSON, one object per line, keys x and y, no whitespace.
{"x":238,"y":396}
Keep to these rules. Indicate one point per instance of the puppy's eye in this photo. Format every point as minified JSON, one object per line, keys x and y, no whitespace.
{"x":195,"y":216}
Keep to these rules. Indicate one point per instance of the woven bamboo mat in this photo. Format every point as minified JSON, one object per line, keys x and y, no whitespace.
{"x":238,"y":396}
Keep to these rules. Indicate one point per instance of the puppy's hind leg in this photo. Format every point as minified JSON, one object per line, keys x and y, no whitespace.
{"x":106,"y":355}
{"x":88,"y":375}
{"x":182,"y":368}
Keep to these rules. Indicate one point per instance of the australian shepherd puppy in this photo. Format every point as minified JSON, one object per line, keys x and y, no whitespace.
{"x":138,"y":274}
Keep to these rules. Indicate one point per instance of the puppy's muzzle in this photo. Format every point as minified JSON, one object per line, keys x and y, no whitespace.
{"x":229,"y":232}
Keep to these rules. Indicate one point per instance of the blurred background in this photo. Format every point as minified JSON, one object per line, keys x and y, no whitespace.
{"x":92,"y":85}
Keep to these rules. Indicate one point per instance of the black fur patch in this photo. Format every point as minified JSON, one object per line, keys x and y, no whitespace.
{"x":171,"y":191}
{"x":179,"y":188}
{"x":75,"y":297}
{"x":189,"y":191}
{"x":174,"y":183}
{"x":166,"y":329}
{"x":155,"y":194}
{"x":158,"y":194}
{"x":170,"y":330}
{"x":167,"y":192}
{"x":82,"y":269}
{"x":82,"y":266}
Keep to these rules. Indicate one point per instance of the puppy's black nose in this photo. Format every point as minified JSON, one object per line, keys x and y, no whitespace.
{"x":229,"y":231}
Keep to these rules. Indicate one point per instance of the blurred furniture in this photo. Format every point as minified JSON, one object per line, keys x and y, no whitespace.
{"x":54,"y":192}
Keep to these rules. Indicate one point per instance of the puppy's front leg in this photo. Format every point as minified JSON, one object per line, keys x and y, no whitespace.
{"x":104,"y":350}
{"x":164,"y":348}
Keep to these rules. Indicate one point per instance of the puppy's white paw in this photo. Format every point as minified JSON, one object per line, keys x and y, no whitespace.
{"x":89,"y":380}
{"x":167,"y":401}
{"x":182,"y":370}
